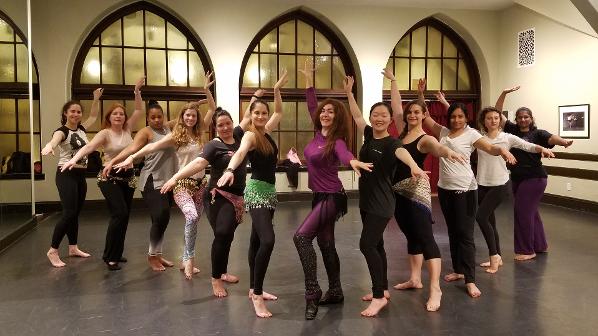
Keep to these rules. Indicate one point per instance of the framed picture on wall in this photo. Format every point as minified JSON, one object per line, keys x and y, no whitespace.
{"x":574,"y":121}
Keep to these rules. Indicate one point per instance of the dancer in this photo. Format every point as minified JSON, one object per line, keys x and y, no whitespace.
{"x":71,"y":184}
{"x":413,"y":210}
{"x":260,"y":194}
{"x":323,"y":155}
{"x":457,"y":189}
{"x":529,"y":180}
{"x":117,"y":187}
{"x":493,"y":180}
{"x":188,"y":193}
{"x":376,"y":198}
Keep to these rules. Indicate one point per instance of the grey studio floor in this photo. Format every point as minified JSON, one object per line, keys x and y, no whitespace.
{"x":555,"y":294}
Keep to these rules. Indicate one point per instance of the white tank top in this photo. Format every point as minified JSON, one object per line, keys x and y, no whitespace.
{"x":188,"y":153}
{"x":116,"y":143}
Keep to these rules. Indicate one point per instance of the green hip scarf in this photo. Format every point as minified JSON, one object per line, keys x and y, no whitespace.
{"x":260,"y":194}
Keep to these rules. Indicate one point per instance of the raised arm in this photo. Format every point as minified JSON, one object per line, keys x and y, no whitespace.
{"x":94,"y":144}
{"x":442,"y":99}
{"x":57,"y":137}
{"x":310,"y":92}
{"x":484,"y":145}
{"x":556,"y":140}
{"x":421,"y":86}
{"x":247,"y":115}
{"x":353,"y":107}
{"x":247,"y":144}
{"x":403,"y":155}
{"x":395,"y":100}
{"x":207,"y":120}
{"x":501,"y":101}
{"x":138,"y":113}
{"x":95,"y":108}
{"x":275,"y":118}
{"x":190,"y":169}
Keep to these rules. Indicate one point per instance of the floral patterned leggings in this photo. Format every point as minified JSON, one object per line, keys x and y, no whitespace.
{"x":190,"y":201}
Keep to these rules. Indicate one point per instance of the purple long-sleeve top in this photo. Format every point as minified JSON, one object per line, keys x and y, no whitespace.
{"x":322,"y":171}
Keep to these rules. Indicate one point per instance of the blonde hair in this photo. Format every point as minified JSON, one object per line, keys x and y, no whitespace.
{"x":180,"y":134}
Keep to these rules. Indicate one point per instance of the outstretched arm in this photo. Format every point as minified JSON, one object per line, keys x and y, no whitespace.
{"x":207,"y":120}
{"x":95,"y":108}
{"x":395,"y":100}
{"x":403,"y":155}
{"x":138,"y":113}
{"x":94,"y":144}
{"x":430,"y":145}
{"x":165,"y":142}
{"x":556,"y":140}
{"x":501,"y":101}
{"x":140,"y":140}
{"x":484,"y":145}
{"x":274,"y":120}
{"x":190,"y":169}
{"x":57,"y":137}
{"x":353,"y":107}
{"x":247,"y":144}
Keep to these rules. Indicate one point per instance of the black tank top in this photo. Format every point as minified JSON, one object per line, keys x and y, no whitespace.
{"x":403,"y":171}
{"x":263,"y":167}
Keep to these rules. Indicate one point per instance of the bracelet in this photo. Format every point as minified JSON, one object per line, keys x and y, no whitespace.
{"x":229,"y":170}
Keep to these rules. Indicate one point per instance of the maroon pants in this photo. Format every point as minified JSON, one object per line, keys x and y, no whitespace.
{"x":528,"y":227}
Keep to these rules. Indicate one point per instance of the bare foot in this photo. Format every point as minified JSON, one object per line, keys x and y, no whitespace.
{"x":523,"y":257}
{"x":433,"y":303}
{"x":453,"y":277}
{"x":369,"y":297}
{"x":487,"y":263}
{"x":495,"y":262}
{"x":218,"y":288}
{"x":267,"y":296}
{"x":164,"y":262}
{"x":410,"y":284}
{"x":75,"y":252}
{"x":374,"y":308}
{"x":473,"y":290}
{"x":54,"y":258}
{"x":188,"y":269}
{"x":260,"y":307}
{"x":229,"y":278}
{"x":154,"y":263}
{"x":195,"y":269}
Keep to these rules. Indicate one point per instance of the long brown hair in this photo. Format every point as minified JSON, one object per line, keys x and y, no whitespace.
{"x":107,"y":123}
{"x":262,"y":145}
{"x":180,"y":135}
{"x":340,"y":125}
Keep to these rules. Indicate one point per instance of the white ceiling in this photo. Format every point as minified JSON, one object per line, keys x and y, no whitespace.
{"x":445,"y":4}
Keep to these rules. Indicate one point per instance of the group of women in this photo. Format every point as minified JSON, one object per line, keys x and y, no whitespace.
{"x":392,"y":183}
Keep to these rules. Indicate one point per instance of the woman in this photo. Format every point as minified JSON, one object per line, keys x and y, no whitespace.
{"x":71,"y":184}
{"x":457,"y":189}
{"x":323,"y":155}
{"x":157,"y":168}
{"x":376,"y":198}
{"x":493,"y":179}
{"x":529,"y":181}
{"x":186,"y":140}
{"x":413,"y":209}
{"x":260,"y":194}
{"x":117,"y":187}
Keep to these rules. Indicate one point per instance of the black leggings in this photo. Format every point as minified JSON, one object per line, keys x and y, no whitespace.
{"x":489,"y":199}
{"x":416,"y":224}
{"x":72,"y":189}
{"x":371,"y":245}
{"x":221,"y":216}
{"x":459,"y":210}
{"x":261,"y":245}
{"x":119,"y":196}
{"x":158,"y":205}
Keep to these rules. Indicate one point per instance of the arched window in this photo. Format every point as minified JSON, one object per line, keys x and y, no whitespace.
{"x":141,"y":39}
{"x":288,"y":42}
{"x":14,"y":93}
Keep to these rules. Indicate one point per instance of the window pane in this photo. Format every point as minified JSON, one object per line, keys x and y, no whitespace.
{"x":23,"y":106}
{"x":464,"y":83}
{"x":286,"y":37}
{"x":177,"y":68}
{"x":7,"y":63}
{"x":130,"y":108}
{"x":385,"y":81}
{"x":133,"y":65}
{"x":155,"y":36}
{"x":36,"y":148}
{"x":96,"y":126}
{"x":36,"y":122}
{"x":338,"y":73}
{"x":156,"y":67}
{"x":288,"y":62}
{"x":196,"y":70}
{"x":22,"y":66}
{"x":287,"y":140}
{"x":304,"y":121}
{"x":305,"y":38}
{"x":418,"y":47}
{"x":402,"y":48}
{"x":300,"y":64}
{"x":402,"y":73}
{"x":449,"y":75}
{"x":24,"y":144}
{"x":322,"y":44}
{"x":268,"y":71}
{"x":418,"y":70}
{"x":303,"y":139}
{"x":175,"y":107}
{"x":289,"y":120}
{"x":323,"y":72}
{"x":268,"y":43}
{"x":6,"y":32}
{"x":133,"y":29}
{"x":90,"y":74}
{"x":112,"y":66}
{"x":433,"y":77}
{"x":176,"y":39}
{"x":251,"y":77}
{"x":111,"y":36}
{"x":449,"y":49}
{"x":8,"y":122}
{"x":8,"y":144}
{"x":434,"y":41}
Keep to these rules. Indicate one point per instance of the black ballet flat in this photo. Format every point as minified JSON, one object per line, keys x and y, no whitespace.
{"x":113,"y":267}
{"x":311,"y":309}
{"x":332,"y":299}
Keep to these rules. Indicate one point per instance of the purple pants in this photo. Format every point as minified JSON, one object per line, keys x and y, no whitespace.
{"x":528,"y":227}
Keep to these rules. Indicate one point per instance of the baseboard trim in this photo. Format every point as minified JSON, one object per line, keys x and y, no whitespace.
{"x":571,"y":203}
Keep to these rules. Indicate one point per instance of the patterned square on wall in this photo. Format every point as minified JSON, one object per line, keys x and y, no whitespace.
{"x":526,"y":42}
